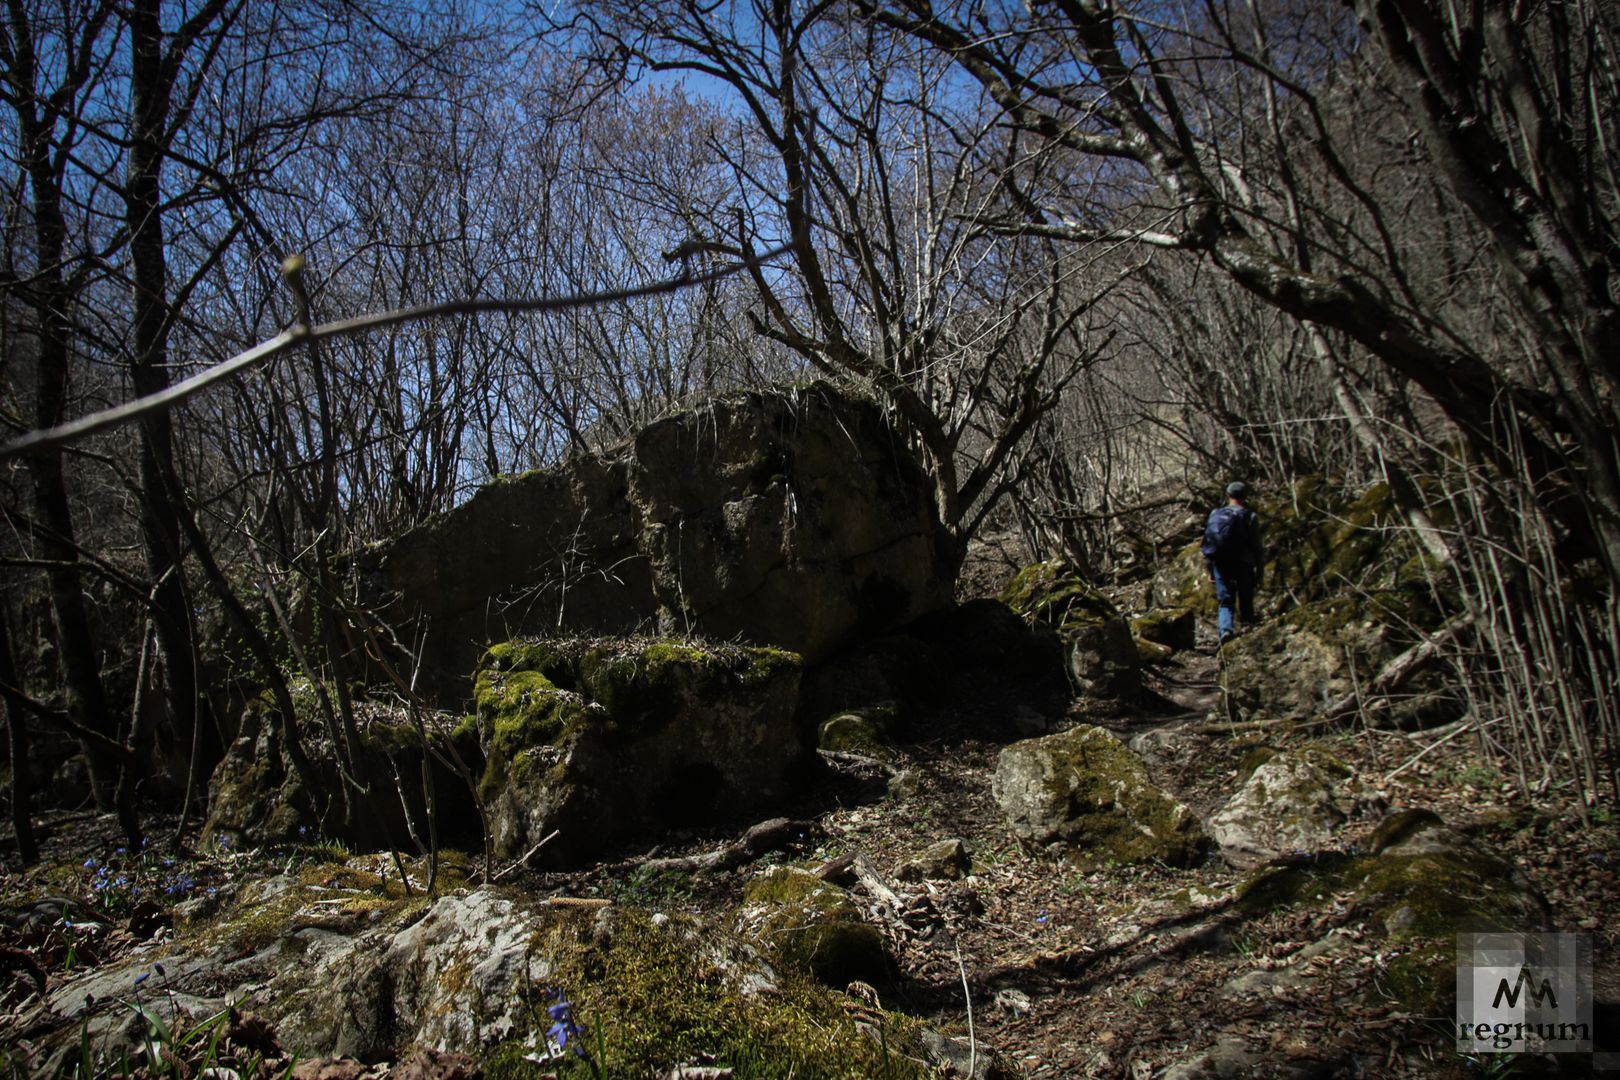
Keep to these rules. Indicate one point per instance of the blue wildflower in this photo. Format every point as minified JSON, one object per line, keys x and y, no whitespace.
{"x":90,"y":863}
{"x":142,"y":977}
{"x":565,"y":1027}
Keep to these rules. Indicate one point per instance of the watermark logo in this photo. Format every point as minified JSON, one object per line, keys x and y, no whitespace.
{"x":1524,"y":992}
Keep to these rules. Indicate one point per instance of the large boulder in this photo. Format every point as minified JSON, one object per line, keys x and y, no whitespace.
{"x":1102,"y":655}
{"x":795,"y":519}
{"x":1324,"y":651}
{"x":598,"y":740}
{"x":1085,"y":789}
{"x":1292,"y":803}
{"x":256,"y":796}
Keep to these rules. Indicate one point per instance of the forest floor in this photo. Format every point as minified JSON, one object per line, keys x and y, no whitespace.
{"x":1063,"y":969}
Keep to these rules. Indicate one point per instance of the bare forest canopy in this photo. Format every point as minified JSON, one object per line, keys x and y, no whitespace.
{"x":1086,"y":254}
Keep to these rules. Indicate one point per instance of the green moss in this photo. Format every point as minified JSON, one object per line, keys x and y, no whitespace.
{"x":651,"y":999}
{"x":857,"y":732}
{"x":1053,"y":595}
{"x":812,"y":927}
{"x":764,"y":664}
{"x":550,"y":658}
{"x":1115,"y":810}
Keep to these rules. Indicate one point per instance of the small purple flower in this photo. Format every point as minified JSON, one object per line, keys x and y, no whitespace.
{"x":142,"y":977}
{"x":90,"y":863}
{"x":565,"y":1028}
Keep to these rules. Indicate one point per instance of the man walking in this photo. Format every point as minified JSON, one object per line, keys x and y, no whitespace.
{"x":1234,"y":556}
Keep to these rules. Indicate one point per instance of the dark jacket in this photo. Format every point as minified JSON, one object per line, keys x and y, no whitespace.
{"x":1244,"y":546}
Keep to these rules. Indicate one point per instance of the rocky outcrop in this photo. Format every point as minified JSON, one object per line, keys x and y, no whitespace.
{"x":256,"y":796}
{"x":1084,"y":789}
{"x":352,"y":970}
{"x":1291,"y":803}
{"x":1102,"y":655}
{"x":1327,"y":651}
{"x":812,"y":927}
{"x":796,"y":520}
{"x":587,"y":742}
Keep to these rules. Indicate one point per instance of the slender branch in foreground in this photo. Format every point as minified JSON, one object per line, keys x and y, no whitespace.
{"x":50,"y":440}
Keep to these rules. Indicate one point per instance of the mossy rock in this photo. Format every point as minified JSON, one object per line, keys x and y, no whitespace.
{"x":1052,"y":594}
{"x":1173,"y":628}
{"x":1085,"y":790}
{"x":1419,"y":892}
{"x":812,"y":927}
{"x":1290,"y":802}
{"x":474,"y":972}
{"x":655,"y":731}
{"x":1316,"y":653}
{"x":866,"y":731}
{"x":1318,"y":542}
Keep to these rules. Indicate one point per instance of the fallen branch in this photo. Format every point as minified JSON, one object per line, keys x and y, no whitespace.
{"x":544,"y":840}
{"x":765,"y":837}
{"x":1397,"y":673}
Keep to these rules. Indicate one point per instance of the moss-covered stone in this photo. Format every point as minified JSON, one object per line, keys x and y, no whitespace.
{"x":1419,"y":892}
{"x":1173,"y":628}
{"x":812,"y":927}
{"x":864,"y":732}
{"x":1291,"y":802}
{"x":656,"y":731}
{"x":1318,"y":542}
{"x":1053,"y":595}
{"x":1085,"y":789}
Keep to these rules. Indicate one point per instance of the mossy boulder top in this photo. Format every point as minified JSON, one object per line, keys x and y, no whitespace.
{"x":1085,"y":790}
{"x":1102,"y":655}
{"x":792,"y":519}
{"x":589,"y":741}
{"x":812,"y":927}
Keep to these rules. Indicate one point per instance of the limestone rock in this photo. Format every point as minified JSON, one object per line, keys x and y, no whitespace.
{"x":1102,"y":654}
{"x":792,"y":519}
{"x":1085,"y":789}
{"x":1319,"y":652}
{"x":812,"y":926}
{"x":947,"y":860}
{"x":1294,"y":802}
{"x":596,"y":741}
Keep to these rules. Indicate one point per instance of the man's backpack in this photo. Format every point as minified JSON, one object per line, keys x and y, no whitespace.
{"x":1228,"y":535}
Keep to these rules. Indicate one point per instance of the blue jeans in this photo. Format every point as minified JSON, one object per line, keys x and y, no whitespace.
{"x":1234,"y":589}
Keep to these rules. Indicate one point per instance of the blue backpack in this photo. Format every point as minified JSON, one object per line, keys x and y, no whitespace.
{"x":1229,"y":534}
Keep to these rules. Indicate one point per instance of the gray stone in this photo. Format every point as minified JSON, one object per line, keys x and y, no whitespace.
{"x":1291,"y":803}
{"x":792,"y":519}
{"x":1083,"y":788}
{"x":947,"y":860}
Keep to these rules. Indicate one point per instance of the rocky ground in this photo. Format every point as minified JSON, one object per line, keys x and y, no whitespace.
{"x":1041,"y":965}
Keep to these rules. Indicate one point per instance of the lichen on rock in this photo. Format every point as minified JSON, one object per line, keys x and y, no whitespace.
{"x":1085,"y":790}
{"x":1290,"y":802}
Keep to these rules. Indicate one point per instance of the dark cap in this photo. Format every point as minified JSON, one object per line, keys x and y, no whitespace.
{"x":1237,"y":489}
